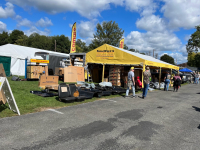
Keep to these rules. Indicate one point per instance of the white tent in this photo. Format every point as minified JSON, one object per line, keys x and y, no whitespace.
{"x":18,"y":55}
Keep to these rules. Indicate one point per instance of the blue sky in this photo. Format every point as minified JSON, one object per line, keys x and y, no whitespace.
{"x":163,"y":25}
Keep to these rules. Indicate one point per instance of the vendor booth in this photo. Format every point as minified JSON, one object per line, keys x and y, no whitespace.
{"x":114,"y":63}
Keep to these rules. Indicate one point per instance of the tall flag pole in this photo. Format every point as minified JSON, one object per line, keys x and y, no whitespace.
{"x":73,"y":39}
{"x":121,"y":44}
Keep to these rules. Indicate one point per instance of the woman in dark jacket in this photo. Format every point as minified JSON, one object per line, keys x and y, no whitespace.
{"x":177,"y":82}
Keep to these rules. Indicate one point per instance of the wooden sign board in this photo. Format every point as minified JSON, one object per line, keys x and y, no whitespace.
{"x":7,"y":94}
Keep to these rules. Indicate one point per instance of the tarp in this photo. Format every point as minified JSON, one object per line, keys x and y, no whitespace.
{"x":185,"y":70}
{"x":107,"y":54}
{"x":19,"y":53}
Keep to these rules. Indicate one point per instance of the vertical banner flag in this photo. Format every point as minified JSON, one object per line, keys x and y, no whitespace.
{"x":73,"y":39}
{"x":121,"y":43}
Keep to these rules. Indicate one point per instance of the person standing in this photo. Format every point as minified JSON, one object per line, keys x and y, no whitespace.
{"x":131,"y":82}
{"x":177,"y":82}
{"x":198,"y":77}
{"x":147,"y":75}
{"x":167,"y":81}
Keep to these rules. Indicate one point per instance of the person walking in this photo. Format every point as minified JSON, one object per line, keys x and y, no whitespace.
{"x":198,"y":77}
{"x":177,"y":82}
{"x":167,"y":81}
{"x":131,"y":82}
{"x":147,"y":75}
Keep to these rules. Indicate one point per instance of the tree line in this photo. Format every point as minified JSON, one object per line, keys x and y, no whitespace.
{"x":107,"y":32}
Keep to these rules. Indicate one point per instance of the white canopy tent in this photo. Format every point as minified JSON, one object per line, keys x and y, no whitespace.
{"x":18,"y":55}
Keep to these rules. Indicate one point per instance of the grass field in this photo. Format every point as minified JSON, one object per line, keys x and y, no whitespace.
{"x":30,"y":103}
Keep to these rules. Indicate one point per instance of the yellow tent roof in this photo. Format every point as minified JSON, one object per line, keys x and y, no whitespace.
{"x":107,"y":54}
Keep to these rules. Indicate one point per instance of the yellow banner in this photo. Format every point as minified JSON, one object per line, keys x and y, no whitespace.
{"x":73,"y":39}
{"x":39,"y":61}
{"x":121,"y":43}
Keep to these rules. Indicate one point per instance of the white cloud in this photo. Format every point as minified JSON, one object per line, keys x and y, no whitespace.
{"x":35,"y":30}
{"x":8,"y":11}
{"x":182,"y":13}
{"x":137,"y":5}
{"x":24,"y":22}
{"x":86,"y":29}
{"x":178,"y":57}
{"x":86,"y":8}
{"x":160,"y":41}
{"x":44,"y":22}
{"x":151,"y":23}
{"x":2,"y":27}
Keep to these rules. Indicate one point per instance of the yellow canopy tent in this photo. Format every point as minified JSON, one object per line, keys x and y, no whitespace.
{"x":107,"y":54}
{"x":110,"y":55}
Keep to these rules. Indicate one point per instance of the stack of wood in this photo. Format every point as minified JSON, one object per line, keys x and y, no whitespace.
{"x":115,"y":75}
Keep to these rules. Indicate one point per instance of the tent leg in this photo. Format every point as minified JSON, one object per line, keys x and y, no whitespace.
{"x":143,"y":76}
{"x":26,"y":68}
{"x":170,"y":79}
{"x":159,"y":77}
{"x":103,"y":72}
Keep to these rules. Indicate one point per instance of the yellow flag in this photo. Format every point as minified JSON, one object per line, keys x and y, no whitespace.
{"x":73,"y":39}
{"x":121,"y":43}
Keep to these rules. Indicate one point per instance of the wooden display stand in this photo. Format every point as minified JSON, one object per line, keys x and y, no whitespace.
{"x":34,"y":72}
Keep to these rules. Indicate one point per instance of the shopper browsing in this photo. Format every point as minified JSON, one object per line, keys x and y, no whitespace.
{"x":147,"y":75}
{"x":131,"y":82}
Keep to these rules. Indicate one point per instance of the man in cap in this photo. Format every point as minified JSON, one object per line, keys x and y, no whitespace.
{"x":131,"y":82}
{"x":147,"y":75}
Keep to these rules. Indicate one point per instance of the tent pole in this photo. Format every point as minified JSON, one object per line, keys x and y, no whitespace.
{"x":26,"y":68}
{"x":103,"y":73}
{"x":159,"y":77}
{"x":143,"y":76}
{"x":170,"y":79}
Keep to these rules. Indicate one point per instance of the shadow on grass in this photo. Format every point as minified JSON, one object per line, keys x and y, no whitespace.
{"x":196,"y":108}
{"x":3,"y":107}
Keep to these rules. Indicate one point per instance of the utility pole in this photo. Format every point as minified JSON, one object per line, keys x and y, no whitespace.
{"x":55,"y":45}
{"x":153,"y":52}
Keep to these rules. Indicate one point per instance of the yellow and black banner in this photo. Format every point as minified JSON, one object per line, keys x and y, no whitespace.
{"x":121,"y":44}
{"x":73,"y":39}
{"x":39,"y":61}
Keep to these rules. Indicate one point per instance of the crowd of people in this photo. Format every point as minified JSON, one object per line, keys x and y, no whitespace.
{"x":146,"y":74}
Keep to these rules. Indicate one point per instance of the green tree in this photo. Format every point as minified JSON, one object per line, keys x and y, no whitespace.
{"x":125,"y":47}
{"x":62,"y":43}
{"x":40,"y":41}
{"x":82,"y":46}
{"x":193,"y":44}
{"x":15,"y":35}
{"x":107,"y":33}
{"x":167,"y":58}
{"x":143,"y":53}
{"x":191,"y":59}
{"x":134,"y":50}
{"x":197,"y":60}
{"x":4,"y":38}
{"x":22,"y":40}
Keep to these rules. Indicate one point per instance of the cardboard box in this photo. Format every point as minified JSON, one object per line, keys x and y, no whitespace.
{"x":2,"y":71}
{"x":79,"y":74}
{"x":70,"y":74}
{"x":48,"y":80}
{"x":59,"y":71}
{"x":115,"y":82}
{"x":2,"y":97}
{"x":114,"y":77}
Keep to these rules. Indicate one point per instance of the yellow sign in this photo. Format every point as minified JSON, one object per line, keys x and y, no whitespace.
{"x":121,"y":43}
{"x":105,"y":54}
{"x":73,"y":39}
{"x":39,"y":61}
